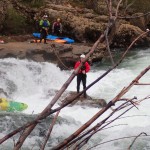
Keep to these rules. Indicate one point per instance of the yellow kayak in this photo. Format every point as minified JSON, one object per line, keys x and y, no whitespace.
{"x":11,"y":106}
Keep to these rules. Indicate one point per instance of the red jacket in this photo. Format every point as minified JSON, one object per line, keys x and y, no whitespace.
{"x":86,"y":64}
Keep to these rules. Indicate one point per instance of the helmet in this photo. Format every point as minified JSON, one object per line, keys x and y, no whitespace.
{"x":82,"y":56}
{"x":45,"y":16}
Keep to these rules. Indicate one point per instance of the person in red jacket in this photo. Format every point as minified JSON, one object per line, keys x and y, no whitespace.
{"x":81,"y":76}
{"x":57,"y":27}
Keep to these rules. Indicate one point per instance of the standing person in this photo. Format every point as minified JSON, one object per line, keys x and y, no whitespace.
{"x":81,"y":76}
{"x":37,"y":27}
{"x":44,"y":25}
{"x":57,"y":27}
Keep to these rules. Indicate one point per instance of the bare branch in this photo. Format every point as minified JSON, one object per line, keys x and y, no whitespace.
{"x":109,"y":7}
{"x":50,"y":130}
{"x":132,"y":17}
{"x":117,"y":9}
{"x":136,"y":139}
{"x":96,"y":129}
{"x":129,"y":5}
{"x":142,"y":83}
{"x":128,"y":137}
{"x":54,"y":50}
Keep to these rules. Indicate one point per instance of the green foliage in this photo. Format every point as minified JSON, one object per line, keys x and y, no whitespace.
{"x":33,"y":3}
{"x":14,"y":22}
{"x":139,"y":5}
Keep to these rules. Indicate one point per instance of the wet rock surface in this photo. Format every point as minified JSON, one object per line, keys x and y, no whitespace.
{"x":88,"y":101}
{"x":61,"y":54}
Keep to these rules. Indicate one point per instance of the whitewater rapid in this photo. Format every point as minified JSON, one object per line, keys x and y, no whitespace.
{"x":36,"y":83}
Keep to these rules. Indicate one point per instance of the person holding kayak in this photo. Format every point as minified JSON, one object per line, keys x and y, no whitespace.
{"x":81,"y":76}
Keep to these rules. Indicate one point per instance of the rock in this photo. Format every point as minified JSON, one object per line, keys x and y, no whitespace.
{"x":139,"y":21}
{"x":69,"y":95}
{"x":125,"y":35}
{"x":60,"y":54}
{"x":79,"y":49}
{"x":83,"y":21}
{"x":89,"y":101}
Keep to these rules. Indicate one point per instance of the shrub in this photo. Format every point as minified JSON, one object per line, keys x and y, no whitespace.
{"x":14,"y":22}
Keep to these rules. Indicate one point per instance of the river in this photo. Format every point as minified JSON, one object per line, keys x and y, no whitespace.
{"x":36,"y":83}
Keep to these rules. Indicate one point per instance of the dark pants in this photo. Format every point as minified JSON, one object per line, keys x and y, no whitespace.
{"x":43,"y":35}
{"x":81,"y":77}
{"x":57,"y":32}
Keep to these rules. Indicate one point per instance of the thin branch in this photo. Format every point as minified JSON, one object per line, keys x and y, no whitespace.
{"x":139,"y":101}
{"x":117,"y":9}
{"x":133,"y":17}
{"x":109,"y":7}
{"x":143,"y":133}
{"x":142,"y":83}
{"x":98,"y":125}
{"x":127,"y":137}
{"x":147,"y":97}
{"x":111,"y":22}
{"x":129,"y":5}
{"x":107,"y":44}
{"x":54,"y":50}
{"x":97,"y":129}
{"x":50,"y":130}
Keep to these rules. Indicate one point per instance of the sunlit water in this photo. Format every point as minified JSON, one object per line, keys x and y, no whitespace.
{"x":35,"y":84}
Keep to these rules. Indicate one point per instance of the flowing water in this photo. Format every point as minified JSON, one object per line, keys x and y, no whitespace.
{"x":36,"y":83}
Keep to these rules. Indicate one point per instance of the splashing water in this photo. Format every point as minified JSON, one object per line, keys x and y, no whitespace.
{"x":36,"y":84}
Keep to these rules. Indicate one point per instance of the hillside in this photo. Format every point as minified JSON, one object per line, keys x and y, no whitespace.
{"x":83,"y":20}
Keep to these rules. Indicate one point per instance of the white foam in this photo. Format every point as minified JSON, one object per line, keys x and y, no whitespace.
{"x":35,"y":84}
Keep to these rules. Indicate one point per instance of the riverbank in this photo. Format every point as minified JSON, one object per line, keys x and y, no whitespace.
{"x":64,"y":55}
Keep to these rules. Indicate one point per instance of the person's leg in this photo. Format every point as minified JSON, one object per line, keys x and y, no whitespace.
{"x":44,"y":40}
{"x":84,"y":83}
{"x":42,"y":35}
{"x":40,"y":38}
{"x":58,"y":32}
{"x":45,"y":35}
{"x":78,"y":82}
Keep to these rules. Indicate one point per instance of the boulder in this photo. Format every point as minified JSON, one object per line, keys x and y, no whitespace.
{"x":60,"y":54}
{"x":88,"y":101}
{"x":125,"y":35}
